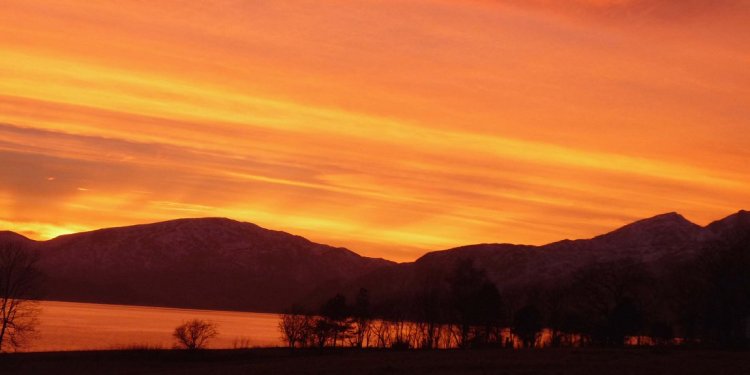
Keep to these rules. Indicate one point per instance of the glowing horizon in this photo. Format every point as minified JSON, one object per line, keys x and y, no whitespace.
{"x":390,"y":128}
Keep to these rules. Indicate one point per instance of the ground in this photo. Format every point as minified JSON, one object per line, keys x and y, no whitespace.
{"x":363,"y":362}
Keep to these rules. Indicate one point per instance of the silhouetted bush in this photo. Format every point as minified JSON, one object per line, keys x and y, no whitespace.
{"x":195,"y":334}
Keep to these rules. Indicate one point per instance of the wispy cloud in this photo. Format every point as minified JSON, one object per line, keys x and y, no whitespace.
{"x":449,"y":123}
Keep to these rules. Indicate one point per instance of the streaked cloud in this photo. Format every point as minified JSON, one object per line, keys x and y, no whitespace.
{"x":391,"y":128}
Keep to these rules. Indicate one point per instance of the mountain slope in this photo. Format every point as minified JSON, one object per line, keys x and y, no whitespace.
{"x":657,"y":243}
{"x":200,"y":263}
{"x":224,"y":264}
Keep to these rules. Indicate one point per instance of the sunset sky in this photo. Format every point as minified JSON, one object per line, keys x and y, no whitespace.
{"x":388,"y":127}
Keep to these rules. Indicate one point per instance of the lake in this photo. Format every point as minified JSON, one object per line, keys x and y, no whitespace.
{"x":66,"y":326}
{"x":86,"y":326}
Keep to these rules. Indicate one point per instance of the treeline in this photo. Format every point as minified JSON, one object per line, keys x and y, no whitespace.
{"x":704,"y":300}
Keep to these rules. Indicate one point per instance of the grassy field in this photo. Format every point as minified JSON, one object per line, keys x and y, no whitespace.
{"x":361,"y":362}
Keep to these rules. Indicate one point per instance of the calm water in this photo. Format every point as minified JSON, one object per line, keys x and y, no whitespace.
{"x":82,"y":326}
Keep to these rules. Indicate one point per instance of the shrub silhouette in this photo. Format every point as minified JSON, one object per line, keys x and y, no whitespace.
{"x":195,"y":334}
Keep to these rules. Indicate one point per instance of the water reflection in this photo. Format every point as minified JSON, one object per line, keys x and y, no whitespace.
{"x":86,"y":326}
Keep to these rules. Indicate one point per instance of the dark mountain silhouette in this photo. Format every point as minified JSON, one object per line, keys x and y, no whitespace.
{"x":8,"y":236}
{"x":201,"y":263}
{"x":732,"y":227}
{"x":225,"y":264}
{"x":659,"y":243}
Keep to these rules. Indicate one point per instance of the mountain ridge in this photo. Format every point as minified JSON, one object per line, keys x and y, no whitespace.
{"x":659,"y":244}
{"x":670,"y":216}
{"x":221,"y":263}
{"x":212,"y":263}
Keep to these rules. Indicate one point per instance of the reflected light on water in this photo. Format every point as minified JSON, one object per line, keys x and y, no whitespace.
{"x":87,"y":326}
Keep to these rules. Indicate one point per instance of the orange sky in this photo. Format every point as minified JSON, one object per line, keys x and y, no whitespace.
{"x":390,"y":127}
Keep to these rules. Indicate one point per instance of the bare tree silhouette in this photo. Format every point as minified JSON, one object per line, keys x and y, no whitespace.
{"x":700,"y":300}
{"x":334,"y":323}
{"x":296,"y":327}
{"x":361,"y":317}
{"x":195,"y":334}
{"x":611,"y":297}
{"x":527,"y":325}
{"x":477,"y":306}
{"x":19,"y":287}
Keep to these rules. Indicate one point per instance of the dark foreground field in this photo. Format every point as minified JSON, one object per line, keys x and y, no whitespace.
{"x":281,"y":361}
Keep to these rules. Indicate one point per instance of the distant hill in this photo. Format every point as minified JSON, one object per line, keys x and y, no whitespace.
{"x":658,"y":244}
{"x":224,"y":264}
{"x":201,"y":263}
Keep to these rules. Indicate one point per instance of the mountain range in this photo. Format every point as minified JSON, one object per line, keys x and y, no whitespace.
{"x":218,"y":263}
